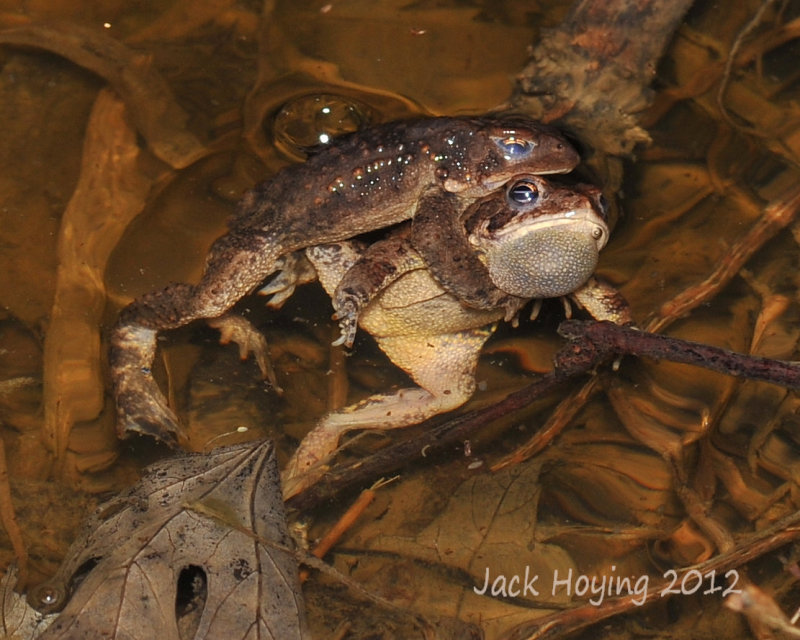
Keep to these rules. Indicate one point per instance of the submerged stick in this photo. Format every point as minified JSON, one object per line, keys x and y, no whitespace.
{"x":594,"y":341}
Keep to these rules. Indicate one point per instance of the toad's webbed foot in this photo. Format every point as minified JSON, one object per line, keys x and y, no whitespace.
{"x":234,"y":269}
{"x":512,"y":305}
{"x":347,"y":312}
{"x":233,"y":328}
{"x":294,"y":270}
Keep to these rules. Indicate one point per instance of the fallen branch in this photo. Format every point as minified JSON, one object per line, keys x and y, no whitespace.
{"x":592,"y":342}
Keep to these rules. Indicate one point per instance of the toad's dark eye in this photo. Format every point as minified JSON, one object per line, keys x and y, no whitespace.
{"x":514,"y":147}
{"x":523,"y":194}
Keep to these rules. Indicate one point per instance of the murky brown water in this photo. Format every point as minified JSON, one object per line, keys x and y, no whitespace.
{"x":602,"y":496}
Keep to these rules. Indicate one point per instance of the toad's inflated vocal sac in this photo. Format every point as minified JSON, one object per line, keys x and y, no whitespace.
{"x":367,"y":180}
{"x":534,"y":240}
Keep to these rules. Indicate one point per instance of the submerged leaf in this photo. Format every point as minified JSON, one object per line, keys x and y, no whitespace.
{"x":213,"y":521}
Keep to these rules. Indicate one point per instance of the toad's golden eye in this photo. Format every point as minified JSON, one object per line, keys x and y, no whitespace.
{"x":514,"y":147}
{"x":522,"y":194}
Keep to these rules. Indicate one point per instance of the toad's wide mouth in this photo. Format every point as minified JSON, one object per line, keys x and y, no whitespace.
{"x":543,"y":263}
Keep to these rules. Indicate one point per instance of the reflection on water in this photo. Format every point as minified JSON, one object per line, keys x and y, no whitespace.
{"x":104,"y":199}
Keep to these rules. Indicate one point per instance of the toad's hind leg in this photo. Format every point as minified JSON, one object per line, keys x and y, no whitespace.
{"x":443,"y":366}
{"x":234,"y":269}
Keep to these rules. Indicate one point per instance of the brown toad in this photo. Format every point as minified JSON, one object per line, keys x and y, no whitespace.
{"x":535,"y":240}
{"x":364,"y":181}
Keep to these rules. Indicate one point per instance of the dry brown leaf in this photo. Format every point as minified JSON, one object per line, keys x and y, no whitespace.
{"x":220,"y":516}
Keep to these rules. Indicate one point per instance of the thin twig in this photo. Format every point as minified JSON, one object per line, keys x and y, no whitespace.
{"x":732,"y":56}
{"x":562,"y":415}
{"x":342,"y":524}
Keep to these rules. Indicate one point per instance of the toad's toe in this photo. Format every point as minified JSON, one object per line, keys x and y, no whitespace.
{"x":236,"y":329}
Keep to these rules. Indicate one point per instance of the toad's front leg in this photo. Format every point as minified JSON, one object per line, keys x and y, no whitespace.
{"x":603,"y":302}
{"x":438,"y":235}
{"x":378,"y":266}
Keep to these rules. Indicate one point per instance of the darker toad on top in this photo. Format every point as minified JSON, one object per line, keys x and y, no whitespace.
{"x":367,"y":180}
